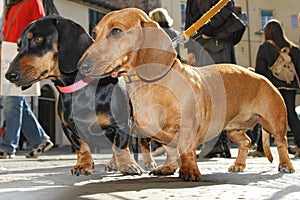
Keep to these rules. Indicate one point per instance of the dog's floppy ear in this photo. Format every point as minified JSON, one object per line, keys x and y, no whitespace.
{"x":157,"y":54}
{"x":72,"y":42}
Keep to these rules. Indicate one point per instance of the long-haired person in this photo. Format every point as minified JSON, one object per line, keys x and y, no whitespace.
{"x":275,"y":39}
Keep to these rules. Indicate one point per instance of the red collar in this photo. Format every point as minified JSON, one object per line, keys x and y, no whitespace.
{"x":76,"y":86}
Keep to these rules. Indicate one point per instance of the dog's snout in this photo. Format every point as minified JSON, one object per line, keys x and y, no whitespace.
{"x":12,"y":76}
{"x":86,"y":66}
{"x":85,"y":69}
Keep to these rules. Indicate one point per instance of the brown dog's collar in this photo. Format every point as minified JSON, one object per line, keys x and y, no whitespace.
{"x":76,"y":86}
{"x":131,"y":78}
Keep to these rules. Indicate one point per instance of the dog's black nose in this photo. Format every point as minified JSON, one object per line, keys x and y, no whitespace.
{"x":86,"y":66}
{"x":85,"y":69}
{"x":12,"y":76}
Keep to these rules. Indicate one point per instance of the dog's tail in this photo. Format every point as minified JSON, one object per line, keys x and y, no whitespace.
{"x":266,"y":145}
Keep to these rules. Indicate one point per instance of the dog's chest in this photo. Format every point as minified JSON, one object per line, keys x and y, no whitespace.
{"x":83,"y":110}
{"x":155,"y":108}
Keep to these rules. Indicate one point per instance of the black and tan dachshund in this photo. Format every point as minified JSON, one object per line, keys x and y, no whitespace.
{"x":50,"y":48}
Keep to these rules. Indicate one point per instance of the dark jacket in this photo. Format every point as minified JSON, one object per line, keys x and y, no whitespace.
{"x":266,"y":57}
{"x":196,"y":8}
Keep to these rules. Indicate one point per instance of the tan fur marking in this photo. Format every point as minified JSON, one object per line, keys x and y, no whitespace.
{"x":33,"y":67}
{"x":84,"y":160}
{"x":103,"y":119}
{"x":29,"y":35}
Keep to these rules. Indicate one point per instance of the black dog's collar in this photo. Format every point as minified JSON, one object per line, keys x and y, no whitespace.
{"x":75,"y":86}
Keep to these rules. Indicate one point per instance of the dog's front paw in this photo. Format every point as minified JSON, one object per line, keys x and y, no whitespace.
{"x":85,"y":164}
{"x":190,"y":173}
{"x":125,"y":163}
{"x":131,"y":168}
{"x":165,"y":170}
{"x":237,"y":167}
{"x":189,"y":170}
{"x":111,"y":166}
{"x":82,"y":169}
{"x":149,"y":166}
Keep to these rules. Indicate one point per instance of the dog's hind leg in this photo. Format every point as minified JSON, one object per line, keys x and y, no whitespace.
{"x":244,"y":142}
{"x":275,"y":123}
{"x":285,"y":164}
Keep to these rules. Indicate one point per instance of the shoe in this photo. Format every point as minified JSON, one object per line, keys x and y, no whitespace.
{"x":297,"y":153}
{"x":218,"y":155}
{"x":219,"y":151}
{"x":256,"y":154}
{"x":253,"y":147}
{"x":158,"y":151}
{"x":5,"y":155}
{"x":42,"y":148}
{"x":293,"y":149}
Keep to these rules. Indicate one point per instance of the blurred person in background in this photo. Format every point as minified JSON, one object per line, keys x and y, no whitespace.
{"x":18,"y":115}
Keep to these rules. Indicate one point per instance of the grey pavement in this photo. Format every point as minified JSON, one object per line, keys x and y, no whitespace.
{"x":48,"y":177}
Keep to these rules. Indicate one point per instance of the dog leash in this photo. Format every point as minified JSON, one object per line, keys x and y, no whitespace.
{"x":184,"y":36}
{"x":76,"y":86}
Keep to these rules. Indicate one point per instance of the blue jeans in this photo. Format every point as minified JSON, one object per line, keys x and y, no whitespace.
{"x":18,"y":115}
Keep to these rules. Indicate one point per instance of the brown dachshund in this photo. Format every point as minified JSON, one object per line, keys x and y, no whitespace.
{"x":50,"y":48}
{"x":181,"y":106}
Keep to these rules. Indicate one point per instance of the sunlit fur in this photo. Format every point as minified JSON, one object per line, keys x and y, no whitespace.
{"x":181,"y":106}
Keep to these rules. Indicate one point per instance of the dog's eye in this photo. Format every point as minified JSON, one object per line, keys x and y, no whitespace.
{"x":116,"y":32}
{"x":94,"y":34}
{"x":38,"y":40}
{"x":19,"y":44}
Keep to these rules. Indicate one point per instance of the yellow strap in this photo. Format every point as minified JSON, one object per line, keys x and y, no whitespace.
{"x":204,"y":19}
{"x":131,"y":78}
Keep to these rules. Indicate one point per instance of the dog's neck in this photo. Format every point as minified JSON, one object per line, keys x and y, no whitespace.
{"x":133,"y":77}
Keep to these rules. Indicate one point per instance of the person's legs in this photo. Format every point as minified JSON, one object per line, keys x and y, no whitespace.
{"x":217,"y":147}
{"x":13,"y":118}
{"x":32,"y":129}
{"x":259,"y":151}
{"x":293,"y":121}
{"x":259,"y":143}
{"x":34,"y":133}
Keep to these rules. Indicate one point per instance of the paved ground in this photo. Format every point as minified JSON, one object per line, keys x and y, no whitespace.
{"x":48,"y":177}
